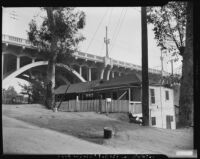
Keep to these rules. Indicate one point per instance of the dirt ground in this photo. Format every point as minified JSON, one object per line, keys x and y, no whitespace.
{"x":23,"y":138}
{"x":89,"y":126}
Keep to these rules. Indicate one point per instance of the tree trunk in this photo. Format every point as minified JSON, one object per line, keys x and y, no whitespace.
{"x":145,"y":78}
{"x":186,"y":90}
{"x":50,"y":95}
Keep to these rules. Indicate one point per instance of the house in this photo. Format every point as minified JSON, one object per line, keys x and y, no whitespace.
{"x":125,"y":94}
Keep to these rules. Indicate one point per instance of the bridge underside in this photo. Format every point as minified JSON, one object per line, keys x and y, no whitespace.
{"x":38,"y":73}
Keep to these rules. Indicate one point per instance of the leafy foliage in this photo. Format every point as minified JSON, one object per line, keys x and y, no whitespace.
{"x":10,"y":92}
{"x":169,"y":23}
{"x":171,"y":80}
{"x":35,"y":91}
{"x":67,"y":22}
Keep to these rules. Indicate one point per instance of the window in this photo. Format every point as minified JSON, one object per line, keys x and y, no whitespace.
{"x":171,"y":118}
{"x":167,"y":95}
{"x":153,"y":120}
{"x":152,"y":94}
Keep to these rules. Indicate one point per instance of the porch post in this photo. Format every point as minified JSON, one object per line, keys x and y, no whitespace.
{"x":129,"y":98}
{"x":77,"y":103}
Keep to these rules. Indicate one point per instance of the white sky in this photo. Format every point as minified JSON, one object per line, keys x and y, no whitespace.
{"x":124,"y":33}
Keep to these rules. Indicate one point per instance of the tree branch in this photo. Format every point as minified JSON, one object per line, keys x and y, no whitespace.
{"x":178,"y":28}
{"x":172,"y":33}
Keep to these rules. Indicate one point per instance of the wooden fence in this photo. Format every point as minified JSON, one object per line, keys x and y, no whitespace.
{"x":94,"y":106}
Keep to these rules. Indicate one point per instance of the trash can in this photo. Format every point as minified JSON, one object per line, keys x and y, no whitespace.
{"x":107,"y":132}
{"x":55,"y":109}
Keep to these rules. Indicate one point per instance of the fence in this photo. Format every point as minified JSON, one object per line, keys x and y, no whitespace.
{"x":94,"y":106}
{"x":116,"y":106}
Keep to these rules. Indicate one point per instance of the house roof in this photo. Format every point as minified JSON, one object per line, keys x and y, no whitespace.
{"x":123,"y":81}
{"x":119,"y":82}
{"x":76,"y":87}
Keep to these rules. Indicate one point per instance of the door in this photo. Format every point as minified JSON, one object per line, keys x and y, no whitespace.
{"x":168,"y":121}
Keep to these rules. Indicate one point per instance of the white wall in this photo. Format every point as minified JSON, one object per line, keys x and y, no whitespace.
{"x":162,"y":107}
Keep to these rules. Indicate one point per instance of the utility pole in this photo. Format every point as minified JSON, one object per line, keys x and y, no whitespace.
{"x":172,"y":66}
{"x":145,"y":77}
{"x":106,"y":41}
{"x":161,"y":59}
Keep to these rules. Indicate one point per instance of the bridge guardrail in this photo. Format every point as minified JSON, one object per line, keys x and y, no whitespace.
{"x":16,"y":40}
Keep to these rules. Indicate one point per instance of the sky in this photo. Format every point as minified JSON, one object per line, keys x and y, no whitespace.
{"x":124,"y":32}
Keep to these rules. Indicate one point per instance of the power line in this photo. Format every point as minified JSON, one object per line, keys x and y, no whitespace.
{"x":97,"y":29}
{"x":102,"y":46}
{"x":116,"y":27}
{"x":109,"y":19}
{"x":118,"y":23}
{"x":110,"y":16}
{"x":119,"y":28}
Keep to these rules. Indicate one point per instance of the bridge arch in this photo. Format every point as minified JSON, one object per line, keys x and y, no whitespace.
{"x":35,"y":64}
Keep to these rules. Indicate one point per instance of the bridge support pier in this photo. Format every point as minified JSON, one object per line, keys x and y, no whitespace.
{"x":108,"y":75}
{"x":113,"y":74}
{"x":80,"y":70}
{"x":89,"y":74}
{"x":102,"y":72}
{"x":18,"y":62}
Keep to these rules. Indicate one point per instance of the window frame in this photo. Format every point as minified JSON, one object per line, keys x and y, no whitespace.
{"x":153,"y":121}
{"x":152,"y":96}
{"x":166,"y":95}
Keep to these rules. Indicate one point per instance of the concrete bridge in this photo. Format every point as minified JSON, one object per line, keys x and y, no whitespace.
{"x":22,"y":60}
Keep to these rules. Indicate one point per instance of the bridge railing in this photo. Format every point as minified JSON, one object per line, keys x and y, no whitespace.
{"x":88,"y":56}
{"x":16,"y":40}
{"x":27,"y":43}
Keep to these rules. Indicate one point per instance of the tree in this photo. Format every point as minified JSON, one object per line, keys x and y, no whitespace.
{"x":9,"y":94}
{"x":186,"y":91}
{"x":56,"y":38}
{"x":35,"y":91}
{"x":173,"y":32}
{"x":169,"y":26}
{"x":27,"y":90}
